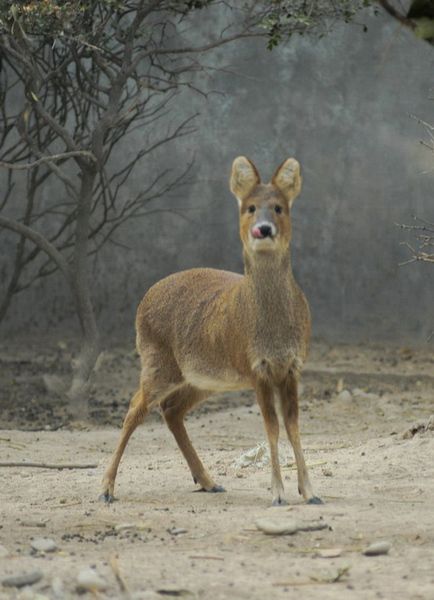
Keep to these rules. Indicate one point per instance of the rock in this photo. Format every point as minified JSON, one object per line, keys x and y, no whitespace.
{"x":277,"y":526}
{"x":362,"y":395}
{"x":259,"y":457}
{"x":377,"y":548}
{"x":3,"y":551}
{"x":420,"y":427}
{"x":58,"y":588}
{"x":285,"y":526}
{"x":89,"y":580}
{"x":44,"y":545}
{"x":41,"y":524}
{"x":176,"y":530}
{"x":23,"y":579}
{"x":29,"y":594}
{"x":125,"y":526}
{"x":345,"y":396}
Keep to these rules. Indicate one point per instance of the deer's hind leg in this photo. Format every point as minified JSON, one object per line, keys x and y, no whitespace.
{"x":174,"y":409}
{"x":160,"y":377}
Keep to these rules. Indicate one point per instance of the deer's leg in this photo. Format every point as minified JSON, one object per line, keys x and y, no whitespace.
{"x":174,"y":408}
{"x":265,"y":398}
{"x":289,"y":401}
{"x":155,"y":385}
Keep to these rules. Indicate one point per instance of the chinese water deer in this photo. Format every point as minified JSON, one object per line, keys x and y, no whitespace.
{"x":203,"y":331}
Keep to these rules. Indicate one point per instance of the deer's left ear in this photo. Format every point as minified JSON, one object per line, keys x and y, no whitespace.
{"x":288,"y":179}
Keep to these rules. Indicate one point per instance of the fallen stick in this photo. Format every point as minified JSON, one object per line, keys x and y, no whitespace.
{"x":113,"y":561}
{"x":47,"y":465}
{"x":205,"y":557}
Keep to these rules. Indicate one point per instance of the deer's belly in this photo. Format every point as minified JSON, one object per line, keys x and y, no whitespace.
{"x":225,"y":381}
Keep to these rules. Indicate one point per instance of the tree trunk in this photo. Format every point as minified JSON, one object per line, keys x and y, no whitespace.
{"x":83,"y":365}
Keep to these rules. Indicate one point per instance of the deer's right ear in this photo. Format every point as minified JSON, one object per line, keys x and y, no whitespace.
{"x":244,"y":177}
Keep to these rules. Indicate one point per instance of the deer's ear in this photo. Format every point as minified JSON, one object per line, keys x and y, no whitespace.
{"x":288,"y":179}
{"x":244,"y":177}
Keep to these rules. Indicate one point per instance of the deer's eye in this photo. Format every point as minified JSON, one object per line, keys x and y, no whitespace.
{"x":251,"y":208}
{"x":278,"y":209}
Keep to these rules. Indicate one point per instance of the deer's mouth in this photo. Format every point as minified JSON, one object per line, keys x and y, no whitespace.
{"x":262,"y":231}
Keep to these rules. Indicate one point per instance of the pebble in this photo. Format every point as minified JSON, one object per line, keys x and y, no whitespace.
{"x":176,"y":530}
{"x":287,"y":526}
{"x":377,"y":548}
{"x":329,"y":552}
{"x":3,"y":551}
{"x":125,"y":526}
{"x":89,"y":580}
{"x":29,"y":594}
{"x":345,"y":396}
{"x":327,"y":472}
{"x":23,"y":579}
{"x":58,"y":588}
{"x":44,"y":545}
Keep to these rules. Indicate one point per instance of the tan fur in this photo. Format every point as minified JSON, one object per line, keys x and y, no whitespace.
{"x":205,"y":330}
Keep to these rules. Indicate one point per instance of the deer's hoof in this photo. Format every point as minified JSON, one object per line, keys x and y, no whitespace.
{"x":279,"y":502}
{"x":314,"y":500}
{"x":107,"y":498}
{"x":216,"y":489}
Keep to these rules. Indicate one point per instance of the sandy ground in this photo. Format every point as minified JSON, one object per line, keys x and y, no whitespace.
{"x":165,"y":540}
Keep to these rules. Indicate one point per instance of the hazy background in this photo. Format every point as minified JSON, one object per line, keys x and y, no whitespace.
{"x":341,"y":105}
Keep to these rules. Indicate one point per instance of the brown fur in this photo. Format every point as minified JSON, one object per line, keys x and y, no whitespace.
{"x":205,"y":330}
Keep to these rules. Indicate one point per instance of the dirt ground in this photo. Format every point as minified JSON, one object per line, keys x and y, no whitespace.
{"x":161,"y":539}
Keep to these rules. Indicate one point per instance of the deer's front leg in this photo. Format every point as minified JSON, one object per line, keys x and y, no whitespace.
{"x":289,"y":400}
{"x":265,"y":398}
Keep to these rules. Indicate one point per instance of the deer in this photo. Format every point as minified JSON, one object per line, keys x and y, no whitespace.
{"x":203,"y":331}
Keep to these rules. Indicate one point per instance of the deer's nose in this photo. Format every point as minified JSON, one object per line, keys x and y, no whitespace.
{"x":265,"y":230}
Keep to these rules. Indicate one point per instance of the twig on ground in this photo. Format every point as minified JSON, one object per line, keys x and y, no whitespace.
{"x":205,"y":557}
{"x":117,"y":573}
{"x":48,"y":465}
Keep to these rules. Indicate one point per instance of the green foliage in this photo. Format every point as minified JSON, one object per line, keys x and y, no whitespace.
{"x":277,"y":19}
{"x":286,"y":17}
{"x":44,"y":17}
{"x":56,"y":17}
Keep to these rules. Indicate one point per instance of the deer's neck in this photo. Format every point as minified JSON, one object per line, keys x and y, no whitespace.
{"x":271,"y":287}
{"x":272,"y":305}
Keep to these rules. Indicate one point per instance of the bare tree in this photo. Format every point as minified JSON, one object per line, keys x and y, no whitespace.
{"x":76,"y":80}
{"x":422,"y":229}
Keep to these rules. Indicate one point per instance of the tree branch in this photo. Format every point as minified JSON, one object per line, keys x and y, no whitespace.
{"x":40,"y":241}
{"x":391,"y":10}
{"x":47,"y":159}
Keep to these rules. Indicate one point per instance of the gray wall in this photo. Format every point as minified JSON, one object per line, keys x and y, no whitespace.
{"x":341,"y":105}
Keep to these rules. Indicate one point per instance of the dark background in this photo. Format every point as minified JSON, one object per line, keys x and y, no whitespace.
{"x":342,"y":106}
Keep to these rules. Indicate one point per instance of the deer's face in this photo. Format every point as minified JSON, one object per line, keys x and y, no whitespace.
{"x":265,"y":220}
